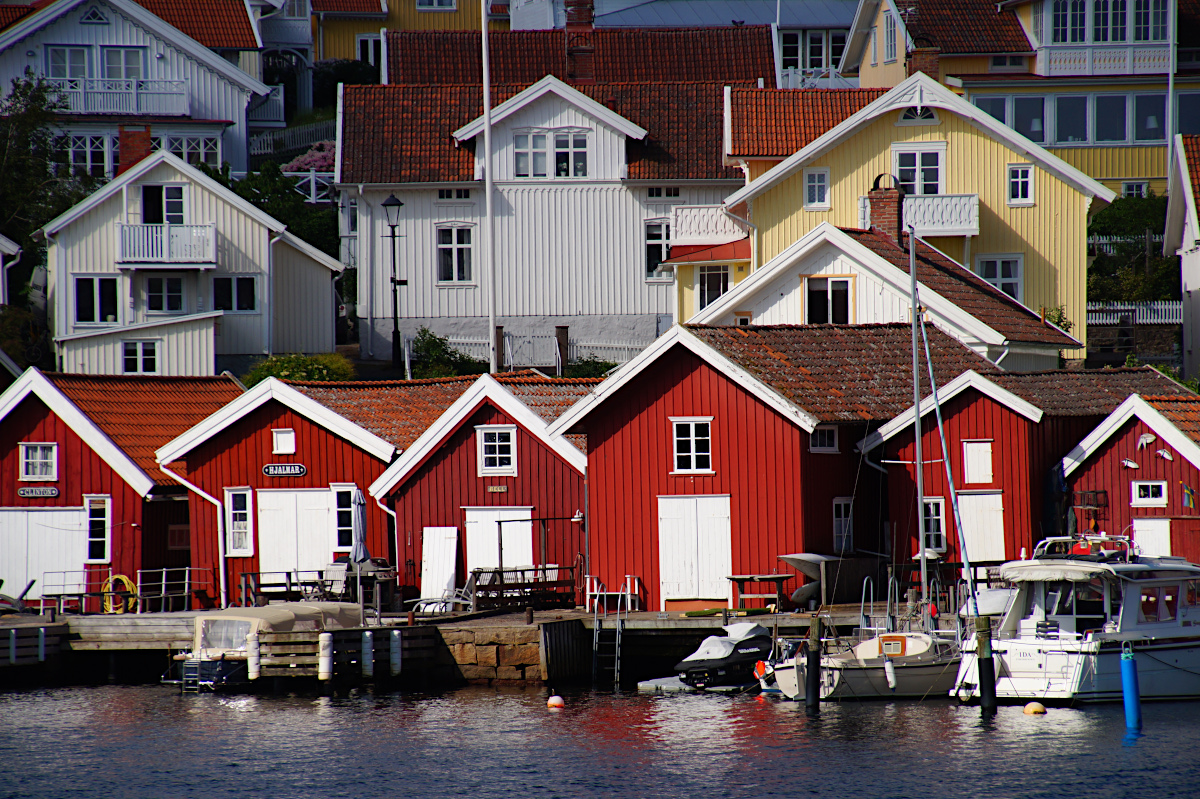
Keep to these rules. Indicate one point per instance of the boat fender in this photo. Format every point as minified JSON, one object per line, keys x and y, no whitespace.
{"x":760,"y":670}
{"x":253,"y":656}
{"x":933,"y":611}
{"x":555,"y":703}
{"x":1035,"y":709}
{"x":889,"y":671}
{"x":325,"y":656}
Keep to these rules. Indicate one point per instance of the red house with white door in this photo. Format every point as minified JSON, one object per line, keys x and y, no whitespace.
{"x":1006,"y":434}
{"x":718,"y":449}
{"x":1138,"y":473}
{"x":81,"y":497}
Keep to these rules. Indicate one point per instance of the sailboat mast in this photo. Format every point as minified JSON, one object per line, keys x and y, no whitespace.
{"x":919,"y":460}
{"x":489,"y":249}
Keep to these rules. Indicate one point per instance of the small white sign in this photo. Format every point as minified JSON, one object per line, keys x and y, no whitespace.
{"x":285,"y":470}
{"x":37,"y":491}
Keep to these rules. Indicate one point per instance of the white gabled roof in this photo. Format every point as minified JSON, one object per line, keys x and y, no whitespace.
{"x":1131,"y":407}
{"x":968,"y":379}
{"x":921,"y":90}
{"x":146,"y":20}
{"x":122,"y":329}
{"x":35,"y":383}
{"x":663,"y":344}
{"x":324,"y":259}
{"x":860,"y":34}
{"x":261,"y":394}
{"x":9,"y":364}
{"x":8,"y":246}
{"x":1181,"y":201}
{"x":552,"y":85}
{"x":485,"y":389}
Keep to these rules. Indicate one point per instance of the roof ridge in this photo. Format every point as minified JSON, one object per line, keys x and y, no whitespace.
{"x":421,"y":381}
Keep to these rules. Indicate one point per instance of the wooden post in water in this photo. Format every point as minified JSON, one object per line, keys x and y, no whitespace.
{"x":812,"y":676}
{"x":987,"y":666}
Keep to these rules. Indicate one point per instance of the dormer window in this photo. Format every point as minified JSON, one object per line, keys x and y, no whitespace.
{"x":93,"y":17}
{"x":532,"y":153}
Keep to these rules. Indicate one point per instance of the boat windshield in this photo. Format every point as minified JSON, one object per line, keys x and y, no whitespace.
{"x":1074,"y":606}
{"x":225,"y":634}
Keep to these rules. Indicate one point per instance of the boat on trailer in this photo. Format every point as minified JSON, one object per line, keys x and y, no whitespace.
{"x":1080,"y":603}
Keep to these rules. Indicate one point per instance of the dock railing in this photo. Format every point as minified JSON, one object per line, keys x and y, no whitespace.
{"x":546,"y":586}
{"x":170,"y":589}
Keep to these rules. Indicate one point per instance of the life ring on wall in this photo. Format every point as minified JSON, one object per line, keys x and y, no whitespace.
{"x":117,"y":604}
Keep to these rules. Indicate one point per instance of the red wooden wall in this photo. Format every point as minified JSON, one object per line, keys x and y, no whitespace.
{"x":234,"y":458}
{"x":434,"y":494}
{"x":780,"y":493}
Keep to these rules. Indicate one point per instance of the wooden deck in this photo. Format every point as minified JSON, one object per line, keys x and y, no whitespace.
{"x":29,"y":640}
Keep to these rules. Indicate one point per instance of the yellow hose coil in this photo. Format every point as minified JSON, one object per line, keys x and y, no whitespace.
{"x":116,"y":604}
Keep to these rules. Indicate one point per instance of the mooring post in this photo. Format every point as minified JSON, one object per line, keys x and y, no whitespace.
{"x":412,"y":618}
{"x":529,"y":615}
{"x":368,"y":654}
{"x":812,"y":675}
{"x":987,"y":666}
{"x":397,"y":652}
{"x":1130,"y":689}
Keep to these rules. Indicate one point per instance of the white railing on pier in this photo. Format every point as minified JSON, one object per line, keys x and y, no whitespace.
{"x":268,"y":108}
{"x":1140,"y":58}
{"x":294,"y":138}
{"x":317,"y":187}
{"x":617,"y":352}
{"x":110,"y":96}
{"x":1109,"y":244}
{"x":943,"y":214}
{"x":542,"y":351}
{"x":1168,"y":312}
{"x":165,"y":244}
{"x":703,"y":225}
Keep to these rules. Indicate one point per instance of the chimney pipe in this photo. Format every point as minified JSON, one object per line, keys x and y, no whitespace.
{"x":887,"y":210}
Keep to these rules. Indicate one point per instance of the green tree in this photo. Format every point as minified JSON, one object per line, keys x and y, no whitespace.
{"x":1134,"y":271}
{"x":433,"y":356}
{"x":325,"y":367}
{"x":590,"y":366}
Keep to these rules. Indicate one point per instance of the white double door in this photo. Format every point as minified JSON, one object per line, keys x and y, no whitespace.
{"x":296,"y":529}
{"x":36,"y":541}
{"x":498,"y":536}
{"x":695,"y":548}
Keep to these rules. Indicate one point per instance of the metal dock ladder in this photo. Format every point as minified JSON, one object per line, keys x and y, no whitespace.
{"x":191,"y":676}
{"x":606,"y":640}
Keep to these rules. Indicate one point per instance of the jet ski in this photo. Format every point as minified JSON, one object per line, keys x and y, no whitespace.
{"x":727,"y":659}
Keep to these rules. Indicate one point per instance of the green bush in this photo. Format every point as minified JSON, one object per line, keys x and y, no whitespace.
{"x":327,"y":367}
{"x":591,"y":366}
{"x":433,"y":356}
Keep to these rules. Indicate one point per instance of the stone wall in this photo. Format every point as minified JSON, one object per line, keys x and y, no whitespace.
{"x":491,"y":655}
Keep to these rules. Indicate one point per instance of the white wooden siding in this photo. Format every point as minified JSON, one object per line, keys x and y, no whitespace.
{"x":606,"y":147}
{"x":983,"y":525}
{"x":302,"y":303}
{"x":34,"y":541}
{"x":977,"y":461}
{"x":1153,"y":536}
{"x":185,"y":348}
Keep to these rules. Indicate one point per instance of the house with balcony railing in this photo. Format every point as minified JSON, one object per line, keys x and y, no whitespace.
{"x":114,"y":63}
{"x":164,"y":271}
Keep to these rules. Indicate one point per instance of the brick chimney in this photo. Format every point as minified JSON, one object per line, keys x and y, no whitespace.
{"x":581,"y":49}
{"x":924,"y":59}
{"x":887,"y":210}
{"x":133,"y":144}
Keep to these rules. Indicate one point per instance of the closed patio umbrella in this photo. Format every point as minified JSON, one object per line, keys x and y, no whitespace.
{"x":359,"y":554}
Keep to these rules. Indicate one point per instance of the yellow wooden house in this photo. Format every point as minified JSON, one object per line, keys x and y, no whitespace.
{"x":351,"y":29}
{"x":1087,"y":79}
{"x":978,"y":191}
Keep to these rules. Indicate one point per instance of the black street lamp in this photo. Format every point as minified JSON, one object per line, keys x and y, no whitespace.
{"x":391,"y":207}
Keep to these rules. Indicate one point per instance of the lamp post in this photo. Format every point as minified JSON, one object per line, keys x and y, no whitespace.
{"x":391,"y":207}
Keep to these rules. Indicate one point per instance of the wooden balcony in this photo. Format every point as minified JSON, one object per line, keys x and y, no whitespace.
{"x":943,"y":214}
{"x":1134,"y":58}
{"x":104,"y":96}
{"x":701,"y":225}
{"x":167,"y":244}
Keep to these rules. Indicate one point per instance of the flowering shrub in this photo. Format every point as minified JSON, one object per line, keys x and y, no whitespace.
{"x":321,"y":157}
{"x":325,"y":368}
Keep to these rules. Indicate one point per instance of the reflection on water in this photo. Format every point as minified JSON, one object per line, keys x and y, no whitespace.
{"x":152,"y":742}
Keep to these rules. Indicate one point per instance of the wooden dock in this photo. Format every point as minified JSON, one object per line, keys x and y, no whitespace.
{"x":30,"y":640}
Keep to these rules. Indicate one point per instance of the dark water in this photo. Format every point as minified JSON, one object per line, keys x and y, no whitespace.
{"x":116,"y":742}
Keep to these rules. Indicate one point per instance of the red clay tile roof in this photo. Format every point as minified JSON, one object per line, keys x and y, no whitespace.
{"x":357,"y":8}
{"x":841,"y":373}
{"x":966,"y":290}
{"x":140,"y":414}
{"x":401,"y":134}
{"x":548,"y":397}
{"x":1091,"y":392}
{"x":622,"y":55}
{"x":10,"y":15}
{"x":217,"y":24}
{"x":1182,"y":411}
{"x":1191,"y":154}
{"x":966,"y":26}
{"x":777,"y":123}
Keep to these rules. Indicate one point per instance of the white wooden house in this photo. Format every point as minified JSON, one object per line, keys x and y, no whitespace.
{"x":1182,"y":238}
{"x":116,"y":63}
{"x":585,"y":179}
{"x":165,"y":271}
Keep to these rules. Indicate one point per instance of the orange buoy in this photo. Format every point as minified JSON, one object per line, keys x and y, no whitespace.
{"x":555,"y":702}
{"x":1035,"y":709}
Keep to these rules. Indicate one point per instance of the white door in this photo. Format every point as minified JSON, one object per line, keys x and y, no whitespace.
{"x":295,"y":530}
{"x":695,"y":549}
{"x":484,"y":537}
{"x":36,"y":541}
{"x":439,"y":548}
{"x":983,"y":526}
{"x":1153,"y":536}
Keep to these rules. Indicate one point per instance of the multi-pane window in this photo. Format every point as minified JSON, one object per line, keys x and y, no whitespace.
{"x":823,"y":439}
{"x":435,"y":5}
{"x":816,"y":189}
{"x":918,"y":115}
{"x":790,"y":49}
{"x":658,"y":236}
{"x":662,"y":192}
{"x":39,"y":461}
{"x":344,"y":517}
{"x":1149,"y":20}
{"x":837,"y":46}
{"x":238,"y":529}
{"x":933,"y":523}
{"x":1134,"y":188}
{"x":693,"y":444}
{"x":66,"y":62}
{"x":1108,"y":20}
{"x":843,"y":524}
{"x":96,"y":300}
{"x":889,"y":37}
{"x":828,"y":301}
{"x":1149,"y":494}
{"x":370,"y":48}
{"x":1068,"y":21}
{"x":192,"y":149}
{"x":295,"y":9}
{"x":1109,"y":122}
{"x":812,"y":51}
{"x":122,"y":63}
{"x":139,"y":357}
{"x":234,"y":294}
{"x":1008,"y":63}
{"x":454,"y":194}
{"x":529,"y":155}
{"x":87,"y":154}
{"x":919,"y":171}
{"x":164,"y":294}
{"x":816,"y":50}
{"x":162,"y":204}
{"x":454,"y":254}
{"x":570,"y":155}
{"x":874,"y":50}
{"x":497,"y":450}
{"x":1071,"y":119}
{"x":98,"y":526}
{"x":1088,"y":118}
{"x":711,"y":282}
{"x":1002,"y":271}
{"x":1020,"y":184}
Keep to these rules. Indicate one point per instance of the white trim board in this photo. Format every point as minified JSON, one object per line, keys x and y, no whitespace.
{"x":485,"y":389}
{"x":552,"y":85}
{"x":261,"y":394}
{"x":1180,"y":203}
{"x":112,"y":330}
{"x":34,"y":382}
{"x":1131,"y":407}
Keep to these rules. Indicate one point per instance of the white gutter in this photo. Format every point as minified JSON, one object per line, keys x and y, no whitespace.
{"x":220,"y":524}
{"x":395,"y":524}
{"x":269,"y":310}
{"x":4,"y":267}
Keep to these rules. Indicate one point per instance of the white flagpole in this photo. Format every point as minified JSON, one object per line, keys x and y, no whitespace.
{"x":489,"y":255}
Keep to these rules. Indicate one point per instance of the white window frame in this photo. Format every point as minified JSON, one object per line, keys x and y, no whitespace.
{"x":452,"y":195}
{"x":711,"y":269}
{"x":1148,"y":502}
{"x":829,"y":281}
{"x":184,"y":212}
{"x":336,"y":489}
{"x":889,"y":36}
{"x":999,"y":258}
{"x":813,"y":446}
{"x":571,"y":149}
{"x":1006,"y":63}
{"x":437,"y":5}
{"x":90,"y":501}
{"x":920,"y":148}
{"x":230,"y":550}
{"x":51,"y":48}
{"x":166,"y":293}
{"x":874,"y":47}
{"x":742,"y":319}
{"x":374,"y":47}
{"x":455,"y":247}
{"x":1020,"y":176}
{"x":155,"y":347}
{"x":816,"y":178}
{"x":95,"y":277}
{"x":971,"y":477}
{"x":481,"y":455}
{"x":940,"y":504}
{"x":691,"y":422}
{"x":138,"y":52}
{"x":235,"y":293}
{"x":91,"y":152}
{"x":93,"y":16}
{"x":659,"y":275}
{"x":843,"y":527}
{"x":913,"y":116}
{"x":295,"y":9}
{"x":788,"y":40}
{"x":283,"y":441}
{"x":191,"y":148}
{"x":26,"y":477}
{"x":1135,"y":188}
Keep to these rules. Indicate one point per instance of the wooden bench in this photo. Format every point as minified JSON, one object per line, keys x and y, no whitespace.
{"x":740,"y":580}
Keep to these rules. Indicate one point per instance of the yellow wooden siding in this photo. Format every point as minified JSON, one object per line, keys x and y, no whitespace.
{"x":685,"y":281}
{"x":338,"y":38}
{"x":963,"y":65}
{"x":1052,"y":234}
{"x":882,"y":74}
{"x":1112,"y":165}
{"x":758,"y":168}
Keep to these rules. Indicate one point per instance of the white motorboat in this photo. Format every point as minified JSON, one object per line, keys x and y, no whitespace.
{"x":1062,"y":637}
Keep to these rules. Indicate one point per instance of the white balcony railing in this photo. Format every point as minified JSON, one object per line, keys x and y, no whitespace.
{"x":105,"y":96}
{"x":1141,"y":58}
{"x":167,"y":244}
{"x":1168,"y":312}
{"x":793,"y":78}
{"x":703,"y":225}
{"x":943,"y":214}
{"x":267,"y":109}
